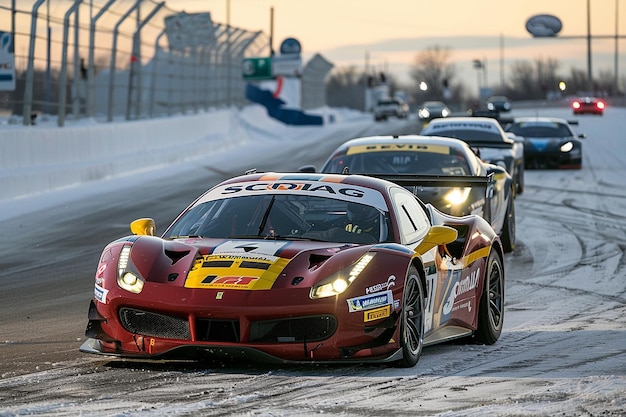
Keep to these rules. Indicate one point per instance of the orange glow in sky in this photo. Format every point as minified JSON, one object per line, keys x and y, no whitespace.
{"x":389,"y":34}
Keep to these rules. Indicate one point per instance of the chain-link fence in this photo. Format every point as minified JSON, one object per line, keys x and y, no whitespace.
{"x":121,"y":59}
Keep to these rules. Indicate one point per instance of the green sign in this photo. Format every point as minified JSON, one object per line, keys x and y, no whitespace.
{"x":257,"y":68}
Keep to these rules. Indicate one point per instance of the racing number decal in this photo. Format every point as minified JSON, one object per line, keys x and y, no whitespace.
{"x":429,"y":307}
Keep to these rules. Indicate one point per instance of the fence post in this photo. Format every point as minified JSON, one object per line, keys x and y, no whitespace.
{"x":63,"y":73}
{"x":113,"y":56}
{"x":91,"y":70}
{"x":28,"y":88}
{"x":153,"y":83}
{"x":137,"y":56}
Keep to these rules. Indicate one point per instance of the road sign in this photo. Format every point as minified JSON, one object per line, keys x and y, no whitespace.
{"x":257,"y":68}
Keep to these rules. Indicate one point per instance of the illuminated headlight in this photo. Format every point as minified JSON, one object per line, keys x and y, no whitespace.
{"x":566,"y":147}
{"x":490,"y":106}
{"x":457,"y":196}
{"x":424,"y":114}
{"x":126,"y":279}
{"x":445,"y":113}
{"x":341,"y":280}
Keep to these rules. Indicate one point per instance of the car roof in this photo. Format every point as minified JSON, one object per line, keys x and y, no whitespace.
{"x":350,"y":179}
{"x":405,"y":139}
{"x":465,"y":119}
{"x":471,"y":121}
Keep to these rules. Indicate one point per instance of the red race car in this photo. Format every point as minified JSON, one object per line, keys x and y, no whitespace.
{"x":299,"y":268}
{"x":591,"y":105}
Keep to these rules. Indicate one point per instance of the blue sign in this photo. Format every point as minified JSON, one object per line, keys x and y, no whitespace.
{"x":290,"y":46}
{"x":7,"y":62}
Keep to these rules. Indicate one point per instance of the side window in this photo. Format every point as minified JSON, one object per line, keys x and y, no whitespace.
{"x":412,"y":220}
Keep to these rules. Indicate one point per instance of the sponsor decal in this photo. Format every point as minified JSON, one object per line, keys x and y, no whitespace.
{"x":411,"y":147}
{"x":230,"y":282}
{"x":235,"y":271}
{"x":383,"y":286}
{"x":466,"y":305}
{"x":328,"y":187}
{"x":463,"y":125}
{"x":467,"y":284}
{"x":377,"y":313}
{"x":369,"y":302}
{"x":295,"y":186}
{"x":101,"y":269}
{"x":100,"y":294}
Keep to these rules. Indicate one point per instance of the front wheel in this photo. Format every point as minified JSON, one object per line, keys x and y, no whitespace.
{"x":412,"y":320}
{"x":491,"y":308}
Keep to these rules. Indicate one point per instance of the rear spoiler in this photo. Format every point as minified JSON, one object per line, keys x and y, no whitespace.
{"x":412,"y":182}
{"x":508,"y":120}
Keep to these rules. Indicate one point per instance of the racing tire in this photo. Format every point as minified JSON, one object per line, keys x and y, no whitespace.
{"x":519,"y":183}
{"x":491,"y":307}
{"x":508,"y":227}
{"x":412,"y":320}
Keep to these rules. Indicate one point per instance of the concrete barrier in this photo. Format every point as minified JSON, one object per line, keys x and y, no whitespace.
{"x":43,"y":157}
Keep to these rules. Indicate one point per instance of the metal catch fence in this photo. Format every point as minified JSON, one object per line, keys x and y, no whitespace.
{"x":121,"y":59}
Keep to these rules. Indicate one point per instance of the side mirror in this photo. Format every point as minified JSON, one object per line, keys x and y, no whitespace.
{"x":143,"y":226}
{"x":437,"y":235}
{"x":309,"y":169}
{"x":516,"y":138}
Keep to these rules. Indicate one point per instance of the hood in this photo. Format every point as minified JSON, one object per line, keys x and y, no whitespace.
{"x":543,"y":144}
{"x":239,"y":264}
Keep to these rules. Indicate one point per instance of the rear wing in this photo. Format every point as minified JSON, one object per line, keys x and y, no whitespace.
{"x":415,"y":181}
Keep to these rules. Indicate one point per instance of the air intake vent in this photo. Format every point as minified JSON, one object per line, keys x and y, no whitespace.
{"x":152,"y":324}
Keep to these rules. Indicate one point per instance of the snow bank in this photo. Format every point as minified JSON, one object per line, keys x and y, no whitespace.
{"x":44,"y":157}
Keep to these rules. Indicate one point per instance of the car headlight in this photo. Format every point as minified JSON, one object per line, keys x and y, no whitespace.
{"x":566,"y":147}
{"x":341,"y":280}
{"x":457,"y":196}
{"x":424,"y":114}
{"x":445,"y":113}
{"x":127,"y":278}
{"x":490,"y":106}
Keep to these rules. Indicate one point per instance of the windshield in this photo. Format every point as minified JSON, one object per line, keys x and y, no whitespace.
{"x":400,"y":162}
{"x":553,"y":130}
{"x":467,"y":135}
{"x":284,"y":216}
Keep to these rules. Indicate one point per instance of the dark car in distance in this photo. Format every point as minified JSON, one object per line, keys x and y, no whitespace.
{"x":430,"y":110}
{"x":499,"y":104}
{"x":549,"y":142}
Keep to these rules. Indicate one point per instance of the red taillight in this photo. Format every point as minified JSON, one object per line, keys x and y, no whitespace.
{"x":576,"y":105}
{"x":600,"y":105}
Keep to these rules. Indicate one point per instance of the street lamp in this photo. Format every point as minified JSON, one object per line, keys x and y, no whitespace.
{"x":481,"y":65}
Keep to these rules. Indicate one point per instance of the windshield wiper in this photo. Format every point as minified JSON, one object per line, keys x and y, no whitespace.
{"x":266,"y":215}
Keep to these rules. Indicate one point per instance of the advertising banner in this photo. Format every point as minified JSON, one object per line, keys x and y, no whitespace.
{"x":7,"y":62}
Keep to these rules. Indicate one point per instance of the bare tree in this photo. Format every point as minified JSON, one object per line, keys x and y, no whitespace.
{"x":522,"y":80}
{"x":547,"y":78}
{"x":345,"y":87}
{"x":433,"y":68}
{"x":577,"y":81}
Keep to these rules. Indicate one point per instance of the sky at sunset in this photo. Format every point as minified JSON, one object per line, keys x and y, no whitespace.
{"x":387,"y":35}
